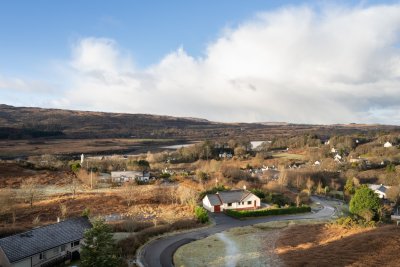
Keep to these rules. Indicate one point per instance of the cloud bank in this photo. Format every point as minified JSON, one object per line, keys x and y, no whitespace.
{"x":297,"y":64}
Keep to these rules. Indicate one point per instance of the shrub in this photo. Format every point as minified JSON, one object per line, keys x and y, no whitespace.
{"x":201,"y":214}
{"x":365,"y":200}
{"x":258,"y":192}
{"x":213,"y":191}
{"x":351,"y":222}
{"x":266,"y":212}
{"x":129,"y":245}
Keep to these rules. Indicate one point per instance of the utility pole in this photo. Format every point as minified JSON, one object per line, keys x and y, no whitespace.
{"x":91,"y":179}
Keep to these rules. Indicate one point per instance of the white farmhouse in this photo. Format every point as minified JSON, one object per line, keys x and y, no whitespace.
{"x":387,"y":144}
{"x":234,"y":199}
{"x":379,"y":189}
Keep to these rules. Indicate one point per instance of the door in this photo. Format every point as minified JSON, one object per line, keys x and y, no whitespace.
{"x":217,"y":208}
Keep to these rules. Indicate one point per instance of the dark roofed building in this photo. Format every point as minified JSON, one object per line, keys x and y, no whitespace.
{"x":44,"y":246}
{"x":234,"y":199}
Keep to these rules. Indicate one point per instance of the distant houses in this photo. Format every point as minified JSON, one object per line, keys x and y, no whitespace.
{"x":128,"y":176}
{"x":45,"y":246}
{"x":234,"y":199}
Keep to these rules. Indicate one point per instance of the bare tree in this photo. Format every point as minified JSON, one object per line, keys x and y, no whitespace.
{"x":283,"y":178}
{"x":128,"y":193}
{"x":30,"y":191}
{"x":187,"y":196}
{"x":74,"y":185}
{"x":320,"y":189}
{"x":7,"y":201}
{"x":309,"y":185}
{"x":63,"y":211}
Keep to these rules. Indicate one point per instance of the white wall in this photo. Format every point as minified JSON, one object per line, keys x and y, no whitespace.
{"x":23,"y":263}
{"x":207,"y":205}
{"x":243,"y":204}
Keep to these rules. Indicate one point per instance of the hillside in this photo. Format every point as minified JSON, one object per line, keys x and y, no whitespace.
{"x":28,"y":122}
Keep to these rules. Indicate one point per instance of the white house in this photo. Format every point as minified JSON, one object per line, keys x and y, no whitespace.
{"x":387,"y":144}
{"x":379,"y":189}
{"x":126,"y":176}
{"x":234,"y":199}
{"x":45,"y":246}
{"x":337,"y":158}
{"x":317,"y":163}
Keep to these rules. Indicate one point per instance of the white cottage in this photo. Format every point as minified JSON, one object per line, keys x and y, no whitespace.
{"x":387,"y":144}
{"x":379,"y":189}
{"x":234,"y":199}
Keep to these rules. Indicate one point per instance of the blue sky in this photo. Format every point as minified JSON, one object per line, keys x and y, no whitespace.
{"x":34,"y":32}
{"x":38,"y":40}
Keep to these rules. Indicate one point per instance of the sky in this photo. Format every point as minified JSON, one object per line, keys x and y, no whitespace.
{"x":228,"y":60}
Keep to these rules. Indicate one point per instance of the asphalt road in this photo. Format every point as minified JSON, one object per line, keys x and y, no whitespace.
{"x":159,"y":252}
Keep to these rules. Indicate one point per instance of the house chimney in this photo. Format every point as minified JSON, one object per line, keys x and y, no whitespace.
{"x":58,"y":219}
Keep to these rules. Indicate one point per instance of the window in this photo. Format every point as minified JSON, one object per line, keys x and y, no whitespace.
{"x":56,"y":250}
{"x":249,"y":202}
{"x":42,"y":256}
{"x":239,"y":203}
{"x":75,"y":243}
{"x":62,"y":248}
{"x":229,"y":204}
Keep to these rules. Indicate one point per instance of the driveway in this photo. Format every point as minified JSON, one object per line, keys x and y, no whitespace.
{"x":159,"y":252}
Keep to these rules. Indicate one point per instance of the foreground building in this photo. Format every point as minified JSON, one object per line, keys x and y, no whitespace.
{"x":234,"y":199}
{"x":44,"y":246}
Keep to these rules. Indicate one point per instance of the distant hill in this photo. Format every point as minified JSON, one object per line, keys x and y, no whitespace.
{"x":28,"y":122}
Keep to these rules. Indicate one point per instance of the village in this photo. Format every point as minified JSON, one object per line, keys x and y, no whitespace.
{"x":151,"y":194}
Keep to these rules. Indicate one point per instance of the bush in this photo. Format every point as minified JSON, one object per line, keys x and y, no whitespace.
{"x":365,"y":203}
{"x":258,"y":192}
{"x":266,"y":212}
{"x":130,"y":226}
{"x":277,"y":198}
{"x":129,"y":245}
{"x":213,"y":191}
{"x":201,"y":214}
{"x":350,"y":222}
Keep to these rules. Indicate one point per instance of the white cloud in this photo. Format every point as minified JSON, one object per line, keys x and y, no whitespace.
{"x":297,"y":64}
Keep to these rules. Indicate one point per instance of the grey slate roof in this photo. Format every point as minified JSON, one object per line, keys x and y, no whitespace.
{"x":228,"y":196}
{"x":214,"y":199}
{"x":20,"y":246}
{"x":233,"y":195}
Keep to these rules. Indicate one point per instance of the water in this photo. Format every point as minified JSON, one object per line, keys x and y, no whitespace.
{"x":177,"y":146}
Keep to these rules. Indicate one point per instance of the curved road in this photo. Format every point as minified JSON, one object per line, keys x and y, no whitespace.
{"x":159,"y":252}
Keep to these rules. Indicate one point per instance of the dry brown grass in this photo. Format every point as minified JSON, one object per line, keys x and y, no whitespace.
{"x":11,"y":176}
{"x":149,"y":206}
{"x":326,"y":245}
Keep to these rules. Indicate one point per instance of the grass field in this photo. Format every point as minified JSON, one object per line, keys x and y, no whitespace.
{"x":18,"y":148}
{"x":242,"y":246}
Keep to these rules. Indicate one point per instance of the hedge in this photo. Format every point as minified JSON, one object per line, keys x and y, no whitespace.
{"x":265,"y":212}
